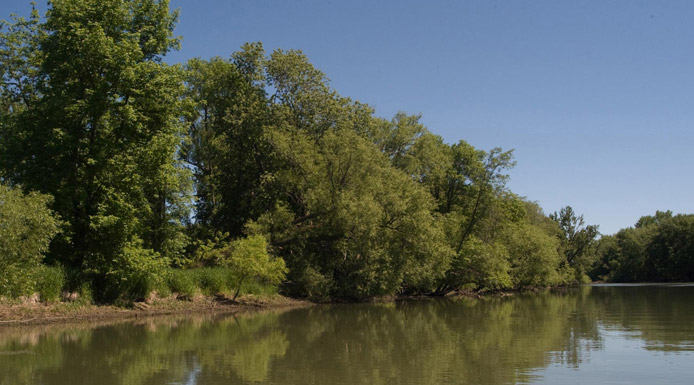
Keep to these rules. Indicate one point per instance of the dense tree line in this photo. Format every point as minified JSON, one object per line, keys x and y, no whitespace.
{"x":149,"y":166}
{"x":659,"y":248}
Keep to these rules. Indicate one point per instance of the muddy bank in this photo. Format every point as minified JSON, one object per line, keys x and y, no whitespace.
{"x":14,"y":314}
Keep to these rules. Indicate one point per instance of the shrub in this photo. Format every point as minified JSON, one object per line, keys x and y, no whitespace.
{"x":316,"y":285}
{"x":49,"y":283}
{"x":133,"y":274}
{"x":182,"y":282}
{"x":212,"y":280}
{"x":26,"y":229}
{"x":86,"y":294}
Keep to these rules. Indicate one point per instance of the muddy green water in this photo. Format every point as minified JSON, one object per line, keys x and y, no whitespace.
{"x":588,"y":335}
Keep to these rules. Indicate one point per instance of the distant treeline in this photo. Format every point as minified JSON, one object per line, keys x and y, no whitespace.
{"x":117,"y":167}
{"x":659,"y":248}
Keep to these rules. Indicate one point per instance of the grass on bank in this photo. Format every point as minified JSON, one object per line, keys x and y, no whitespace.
{"x":51,"y":286}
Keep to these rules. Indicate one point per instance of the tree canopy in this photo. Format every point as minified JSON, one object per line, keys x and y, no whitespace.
{"x":151,"y":166}
{"x":659,"y":248}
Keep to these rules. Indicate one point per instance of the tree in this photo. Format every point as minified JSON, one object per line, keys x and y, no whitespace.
{"x":659,"y":218}
{"x":483,"y":264}
{"x":474,"y":196}
{"x":348,"y":223}
{"x":630,"y":257}
{"x":658,"y":248}
{"x":670,"y":252}
{"x":99,"y":128}
{"x":352,"y":226}
{"x":229,"y":151}
{"x":249,"y":259}
{"x":577,"y":240}
{"x":535,"y":261}
{"x":19,"y":72}
{"x":27,"y":226}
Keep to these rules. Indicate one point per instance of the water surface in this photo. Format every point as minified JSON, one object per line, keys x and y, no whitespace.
{"x":603,"y":334}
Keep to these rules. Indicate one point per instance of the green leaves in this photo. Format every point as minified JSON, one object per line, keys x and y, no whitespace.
{"x":577,"y":240}
{"x":358,"y":206}
{"x":101,"y":130}
{"x":658,"y":248}
{"x":249,"y":259}
{"x":359,"y":221}
{"x":27,"y":226}
{"x":229,"y":151}
{"x":132,"y":274}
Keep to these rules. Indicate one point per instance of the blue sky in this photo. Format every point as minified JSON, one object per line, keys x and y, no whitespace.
{"x":594,"y":96}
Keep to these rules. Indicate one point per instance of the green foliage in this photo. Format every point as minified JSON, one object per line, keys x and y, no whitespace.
{"x":214,"y":280}
{"x":227,"y":127}
{"x":204,"y":252}
{"x":476,"y":206}
{"x":211,"y":280}
{"x":657,"y":248}
{"x":356,"y":206}
{"x":131,"y":276}
{"x":534,"y":256}
{"x":577,"y":240}
{"x":99,"y":130}
{"x":671,"y":250}
{"x":248,"y":259}
{"x":354,"y":219}
{"x":483,"y":264}
{"x":347,"y":223}
{"x":313,"y":284}
{"x":659,"y":218}
{"x":50,"y":282}
{"x":27,"y":226}
{"x":182,"y":282}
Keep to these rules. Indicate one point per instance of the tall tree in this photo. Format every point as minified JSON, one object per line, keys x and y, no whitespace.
{"x":20,"y":59}
{"x":229,"y":151}
{"x":100,"y":127}
{"x":474,"y":196}
{"x":577,"y":240}
{"x":347,"y":222}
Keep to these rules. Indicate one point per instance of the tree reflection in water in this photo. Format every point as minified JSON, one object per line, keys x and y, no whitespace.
{"x":454,"y":341}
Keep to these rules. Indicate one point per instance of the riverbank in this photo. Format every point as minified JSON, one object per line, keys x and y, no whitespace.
{"x":36,"y":313}
{"x":32,"y":312}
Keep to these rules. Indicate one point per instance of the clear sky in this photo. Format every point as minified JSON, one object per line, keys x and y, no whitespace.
{"x":596,"y":97}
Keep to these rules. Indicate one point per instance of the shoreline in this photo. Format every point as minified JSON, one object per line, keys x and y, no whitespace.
{"x":32,"y":314}
{"x":37,"y":313}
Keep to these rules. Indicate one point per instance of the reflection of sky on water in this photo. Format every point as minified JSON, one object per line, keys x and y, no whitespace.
{"x":623,"y":359}
{"x":193,"y":376}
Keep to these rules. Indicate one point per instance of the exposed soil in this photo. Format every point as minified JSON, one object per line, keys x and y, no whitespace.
{"x":32,"y":313}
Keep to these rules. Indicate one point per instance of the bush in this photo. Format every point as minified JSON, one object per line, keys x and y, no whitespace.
{"x":249,"y":260}
{"x":26,"y":229}
{"x":256,"y":287}
{"x":86,"y":294}
{"x":534,"y":257}
{"x":132,"y":275}
{"x":182,"y":282}
{"x":317,"y":286}
{"x":49,"y":283}
{"x":212,"y":280}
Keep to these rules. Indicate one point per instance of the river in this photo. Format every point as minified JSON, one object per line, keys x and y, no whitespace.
{"x":599,"y":334}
